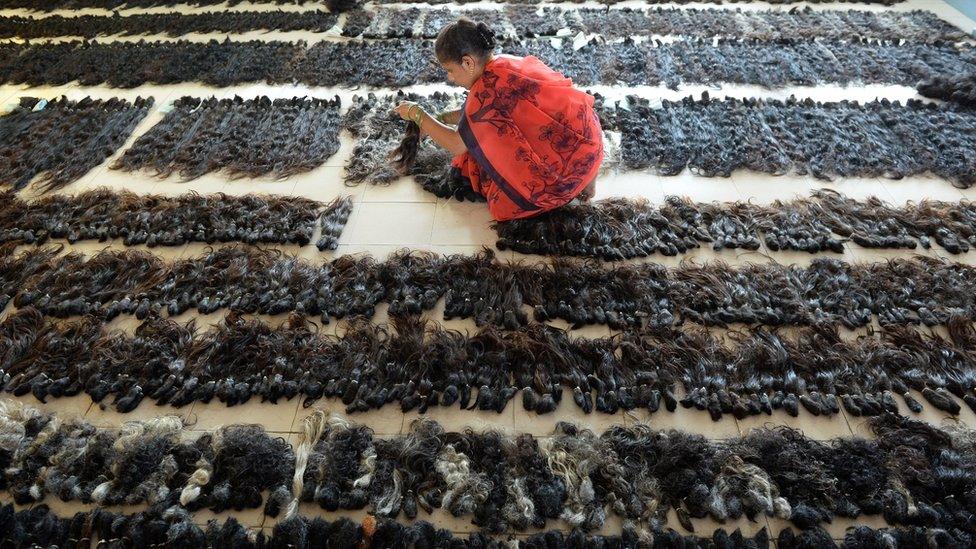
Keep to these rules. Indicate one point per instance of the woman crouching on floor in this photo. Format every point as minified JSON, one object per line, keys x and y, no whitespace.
{"x":526,"y":138}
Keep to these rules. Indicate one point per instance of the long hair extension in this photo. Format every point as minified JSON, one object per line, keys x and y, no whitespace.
{"x":244,"y":138}
{"x":17,"y":268}
{"x":55,"y":143}
{"x":155,"y":220}
{"x":956,"y":89}
{"x":893,"y":140}
{"x":332,"y":221}
{"x":756,"y":372}
{"x":170,"y":24}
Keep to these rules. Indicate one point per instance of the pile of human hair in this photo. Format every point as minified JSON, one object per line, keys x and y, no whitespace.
{"x":169,"y":24}
{"x":417,"y":364}
{"x":55,"y":5}
{"x":526,"y":21}
{"x":921,"y":290}
{"x":620,"y":228}
{"x":881,"y":138}
{"x":911,"y":473}
{"x":956,"y":89}
{"x":402,"y":62}
{"x":53,"y":143}
{"x":155,"y":461}
{"x":241,"y":138}
{"x":388,"y":147}
{"x":155,"y":220}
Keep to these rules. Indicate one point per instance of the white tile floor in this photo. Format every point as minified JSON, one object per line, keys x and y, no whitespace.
{"x":387,"y":218}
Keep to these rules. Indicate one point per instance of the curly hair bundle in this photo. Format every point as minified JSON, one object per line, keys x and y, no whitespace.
{"x":911,"y":473}
{"x":243,"y":138}
{"x":826,"y":140}
{"x":521,"y":21}
{"x":169,"y":24}
{"x":956,"y":89}
{"x":616,"y":229}
{"x":922,"y":290}
{"x":53,"y":143}
{"x":154,"y":220}
{"x":386,"y":63}
{"x":417,"y":365}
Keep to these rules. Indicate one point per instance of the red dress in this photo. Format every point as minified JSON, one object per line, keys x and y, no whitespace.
{"x":534,"y":141}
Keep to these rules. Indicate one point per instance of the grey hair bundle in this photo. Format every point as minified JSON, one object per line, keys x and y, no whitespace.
{"x":616,"y":229}
{"x":912,"y":473}
{"x":814,"y":370}
{"x":54,"y":143}
{"x":244,"y":138}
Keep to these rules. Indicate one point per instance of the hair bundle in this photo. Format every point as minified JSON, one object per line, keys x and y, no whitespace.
{"x":244,"y":138}
{"x":616,"y":229}
{"x":827,"y":140}
{"x":55,"y":143}
{"x":385,"y":147}
{"x":911,"y":473}
{"x":957,"y":89}
{"x":388,"y":63}
{"x":758,"y":371}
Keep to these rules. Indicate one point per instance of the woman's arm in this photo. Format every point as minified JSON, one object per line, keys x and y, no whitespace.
{"x":443,"y":135}
{"x":450,"y":117}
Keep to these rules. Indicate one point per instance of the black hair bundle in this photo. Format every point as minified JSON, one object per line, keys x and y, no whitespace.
{"x":54,"y":143}
{"x":243,"y":138}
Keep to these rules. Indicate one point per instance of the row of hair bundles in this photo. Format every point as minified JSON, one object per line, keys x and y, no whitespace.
{"x":53,"y":143}
{"x":172,"y":526}
{"x":155,"y":220}
{"x":169,"y":24}
{"x":620,"y":228}
{"x":57,"y":5}
{"x":242,"y":138}
{"x":403,"y":62}
{"x":881,"y":138}
{"x":416,"y":365}
{"x":522,"y":21}
{"x":910,"y":472}
{"x":921,"y":290}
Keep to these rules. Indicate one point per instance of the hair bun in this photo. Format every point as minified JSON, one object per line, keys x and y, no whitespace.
{"x":486,"y":34}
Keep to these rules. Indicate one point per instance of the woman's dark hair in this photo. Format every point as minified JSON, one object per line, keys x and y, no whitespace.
{"x":464,"y":37}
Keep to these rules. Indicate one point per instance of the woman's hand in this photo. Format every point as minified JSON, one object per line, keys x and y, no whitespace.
{"x":408,"y":110}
